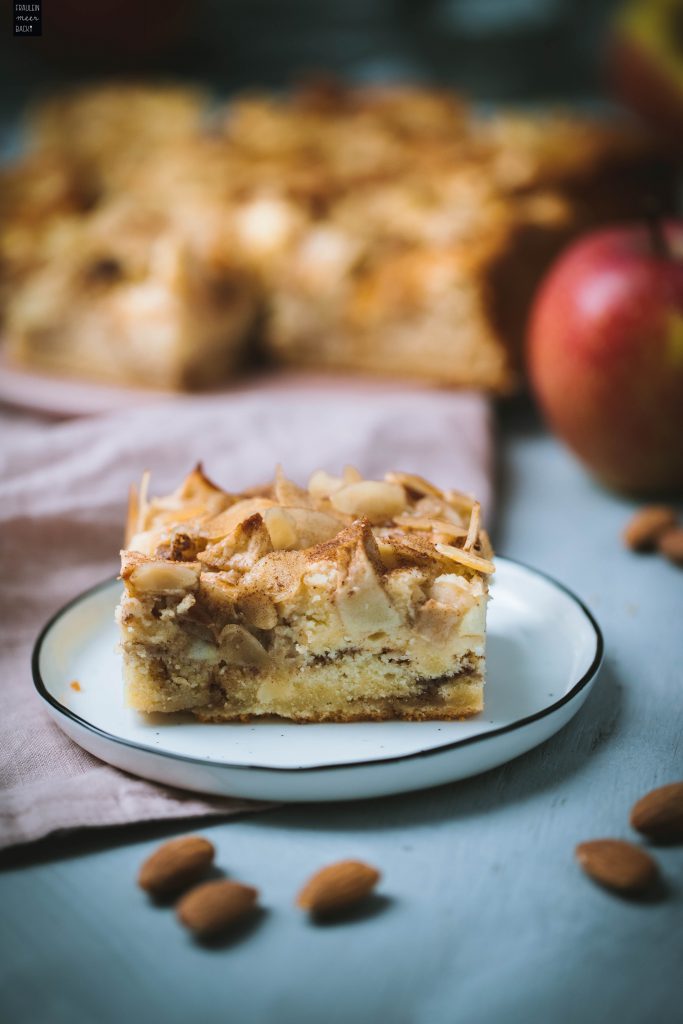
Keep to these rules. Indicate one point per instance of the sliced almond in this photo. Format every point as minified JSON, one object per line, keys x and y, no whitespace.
{"x":224,"y":523}
{"x":322,"y":485}
{"x":281,"y":528}
{"x":176,"y":865}
{"x":133,"y":515}
{"x":617,"y":864}
{"x":160,"y":576}
{"x":473,"y":531}
{"x":646,"y":527}
{"x":287,"y":492}
{"x":466,"y":558}
{"x":659,"y":814}
{"x":338,"y":887}
{"x":459,"y":501}
{"x":214,"y":907}
{"x":485,"y":544}
{"x":351,"y":475}
{"x":378,"y":500}
{"x":414,"y":483}
{"x":197,"y":487}
{"x":429,"y":507}
{"x":292,"y":528}
{"x":143,"y":502}
{"x":434,"y":525}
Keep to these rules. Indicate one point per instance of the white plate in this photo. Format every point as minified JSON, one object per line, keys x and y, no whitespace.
{"x":544,"y":653}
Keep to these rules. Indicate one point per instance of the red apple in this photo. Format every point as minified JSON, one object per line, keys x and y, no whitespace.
{"x":605,"y":354}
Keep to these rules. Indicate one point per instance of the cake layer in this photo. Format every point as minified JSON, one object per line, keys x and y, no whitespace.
{"x":352,"y":687}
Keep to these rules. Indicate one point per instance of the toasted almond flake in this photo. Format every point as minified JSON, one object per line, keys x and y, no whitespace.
{"x":287,"y":492}
{"x":466,"y":558}
{"x":436,"y":525}
{"x":414,"y":483}
{"x":225,"y":522}
{"x":143,"y":501}
{"x":378,"y":500}
{"x":459,"y":501}
{"x":161,"y":576}
{"x":133,"y":516}
{"x":179,"y":515}
{"x":473,"y":531}
{"x":485,"y":544}
{"x":322,"y":485}
{"x":351,"y":475}
{"x":281,"y":528}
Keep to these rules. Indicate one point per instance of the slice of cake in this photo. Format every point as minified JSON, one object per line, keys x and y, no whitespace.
{"x":122,"y":296}
{"x":352,"y":599}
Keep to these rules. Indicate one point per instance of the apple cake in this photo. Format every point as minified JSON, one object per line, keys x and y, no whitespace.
{"x":352,"y":599}
{"x":389,"y":230}
{"x":126,"y":298}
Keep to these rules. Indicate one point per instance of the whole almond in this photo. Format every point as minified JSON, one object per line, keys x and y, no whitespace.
{"x":671,"y":544}
{"x":646,"y":527}
{"x":337,"y":886}
{"x":659,"y":814}
{"x":617,"y":864}
{"x":213,"y":907}
{"x":176,"y":865}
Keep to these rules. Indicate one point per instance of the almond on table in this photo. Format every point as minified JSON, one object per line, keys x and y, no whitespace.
{"x":617,"y":864}
{"x":213,"y":907}
{"x":647,"y":525}
{"x":176,"y":865}
{"x":671,"y":545}
{"x":659,"y":814}
{"x":337,"y":887}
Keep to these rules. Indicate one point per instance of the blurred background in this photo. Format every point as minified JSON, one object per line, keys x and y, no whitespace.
{"x":512,"y":50}
{"x":155,"y":238}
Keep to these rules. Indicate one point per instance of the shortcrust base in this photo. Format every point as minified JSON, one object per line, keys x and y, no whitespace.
{"x":329,"y":693}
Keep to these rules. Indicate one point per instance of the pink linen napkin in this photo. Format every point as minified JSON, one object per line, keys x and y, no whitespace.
{"x":63,"y":495}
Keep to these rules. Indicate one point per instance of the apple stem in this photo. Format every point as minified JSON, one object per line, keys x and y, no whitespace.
{"x":658,"y":240}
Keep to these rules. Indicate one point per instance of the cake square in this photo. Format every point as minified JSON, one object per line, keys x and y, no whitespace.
{"x":122,"y":296}
{"x":350,"y":600}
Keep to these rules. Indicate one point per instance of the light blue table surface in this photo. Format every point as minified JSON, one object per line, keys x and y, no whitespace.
{"x":484,"y":916}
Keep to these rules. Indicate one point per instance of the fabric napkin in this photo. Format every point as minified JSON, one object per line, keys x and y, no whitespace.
{"x":63,"y":494}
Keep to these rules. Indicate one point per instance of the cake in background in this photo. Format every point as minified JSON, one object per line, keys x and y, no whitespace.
{"x":148,"y":238}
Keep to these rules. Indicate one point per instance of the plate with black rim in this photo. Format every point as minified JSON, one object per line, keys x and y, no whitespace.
{"x":544,"y":651}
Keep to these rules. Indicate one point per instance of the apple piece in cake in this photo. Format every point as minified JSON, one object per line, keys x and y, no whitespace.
{"x":352,"y":599}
